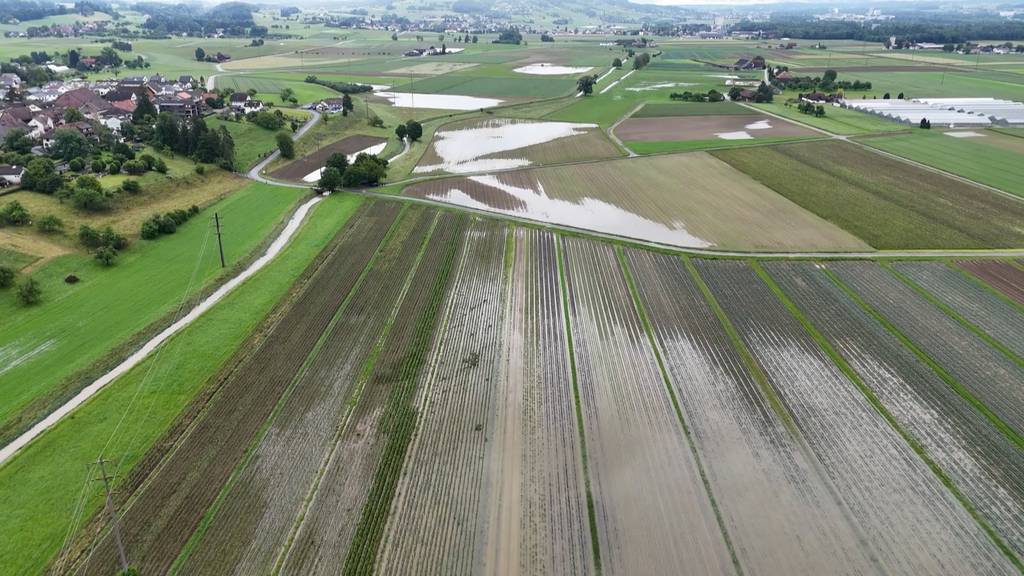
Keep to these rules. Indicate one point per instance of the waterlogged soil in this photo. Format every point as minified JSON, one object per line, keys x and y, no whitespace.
{"x":504,"y":143}
{"x":911,"y":521}
{"x":685,"y":128}
{"x":688,"y":200}
{"x":298,"y":169}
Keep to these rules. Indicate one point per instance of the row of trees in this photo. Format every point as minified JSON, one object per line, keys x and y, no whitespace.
{"x":687,"y":96}
{"x":343,"y":87}
{"x":191,"y":137}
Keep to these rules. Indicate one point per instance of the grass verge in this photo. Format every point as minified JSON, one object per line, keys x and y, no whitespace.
{"x":44,"y":482}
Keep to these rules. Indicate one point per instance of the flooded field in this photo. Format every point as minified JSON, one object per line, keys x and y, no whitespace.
{"x":307,"y":166}
{"x":546,"y":69}
{"x":689,"y":200}
{"x":504,"y":143}
{"x":438,"y":101}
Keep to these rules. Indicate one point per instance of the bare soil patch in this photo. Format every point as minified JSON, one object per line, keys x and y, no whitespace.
{"x":299,"y":168}
{"x":684,"y":128}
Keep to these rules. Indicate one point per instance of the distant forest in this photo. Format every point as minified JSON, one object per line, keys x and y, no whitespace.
{"x":235,"y":18}
{"x":939,"y":31}
{"x":27,"y":10}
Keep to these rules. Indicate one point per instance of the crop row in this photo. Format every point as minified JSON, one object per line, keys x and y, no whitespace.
{"x":652,"y":511}
{"x":541,"y":526}
{"x":777,"y":506}
{"x":993,"y":316}
{"x":979,"y":460}
{"x":1002,"y":276}
{"x":986,"y":375}
{"x":441,"y":506}
{"x":344,"y":521}
{"x":169,"y":507}
{"x":253,"y":520}
{"x":910,"y":520}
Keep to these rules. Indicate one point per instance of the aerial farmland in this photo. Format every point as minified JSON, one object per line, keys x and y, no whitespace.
{"x":482,"y":287}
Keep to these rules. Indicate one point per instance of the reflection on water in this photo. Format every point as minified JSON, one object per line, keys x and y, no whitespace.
{"x":546,"y":69}
{"x":438,"y":101}
{"x":464,"y":150}
{"x":492,"y":194}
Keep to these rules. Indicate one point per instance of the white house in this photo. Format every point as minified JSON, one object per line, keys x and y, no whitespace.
{"x":11,"y":175}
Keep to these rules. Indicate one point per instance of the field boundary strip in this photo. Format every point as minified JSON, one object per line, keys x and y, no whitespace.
{"x":250,"y":450}
{"x":1009,"y":432}
{"x":364,"y":376}
{"x":953,"y":314}
{"x":584,"y":455}
{"x":380,"y":505}
{"x":879,"y":407}
{"x":652,"y":342}
{"x":981,"y":283}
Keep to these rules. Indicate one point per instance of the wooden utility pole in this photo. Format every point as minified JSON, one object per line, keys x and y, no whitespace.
{"x":220,"y":243}
{"x":116,"y":527}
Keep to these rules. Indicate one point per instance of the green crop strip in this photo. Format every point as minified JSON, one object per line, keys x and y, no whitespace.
{"x":975,"y":329}
{"x":361,"y":380}
{"x":398,"y":424}
{"x":652,"y":341}
{"x":870,"y":396}
{"x":977,"y":281}
{"x":748,"y":359}
{"x":250,"y":450}
{"x":591,"y":512}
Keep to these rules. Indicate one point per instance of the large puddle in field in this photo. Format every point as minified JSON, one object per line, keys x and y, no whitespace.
{"x":438,"y":101}
{"x":647,"y":86}
{"x":492,"y":194}
{"x":547,"y":69}
{"x":314,"y":176}
{"x":465,"y":150}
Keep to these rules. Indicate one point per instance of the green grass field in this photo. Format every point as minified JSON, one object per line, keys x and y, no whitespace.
{"x":78,"y":324}
{"x":987,"y":160}
{"x":14,"y":260}
{"x":45,"y":482}
{"x":868,"y":195}
{"x":251,"y":141}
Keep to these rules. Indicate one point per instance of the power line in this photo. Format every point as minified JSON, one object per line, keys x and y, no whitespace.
{"x":116,"y":528}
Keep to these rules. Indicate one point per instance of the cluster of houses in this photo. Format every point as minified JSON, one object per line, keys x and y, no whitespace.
{"x":58,"y":30}
{"x":40,"y":111}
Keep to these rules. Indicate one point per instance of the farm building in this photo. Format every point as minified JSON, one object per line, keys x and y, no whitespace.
{"x":998,"y":111}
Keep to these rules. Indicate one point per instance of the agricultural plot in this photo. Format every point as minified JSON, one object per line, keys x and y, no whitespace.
{"x":690,"y":200}
{"x":299,"y":169}
{"x":910,"y":520}
{"x":715,"y":130}
{"x":843,"y":121}
{"x":867,"y":195}
{"x":166,"y":511}
{"x":501,"y":143}
{"x":652,"y":510}
{"x":540,"y":526}
{"x":444,"y":498}
{"x":990,"y":158}
{"x":1002,"y":276}
{"x":668,"y":109}
{"x":779,"y":510}
{"x":254,"y":519}
{"x":985,"y":465}
{"x":970,"y":301}
{"x":344,"y":521}
{"x":985,"y":376}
